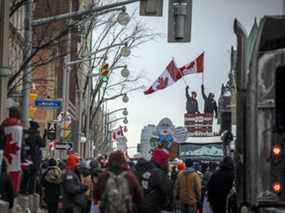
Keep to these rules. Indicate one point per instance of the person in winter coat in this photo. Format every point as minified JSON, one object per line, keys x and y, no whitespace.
{"x":52,"y":185}
{"x":13,"y":134}
{"x":210,"y":105}
{"x":32,"y":144}
{"x":188,"y":188}
{"x":220,"y":184}
{"x":191,"y":103}
{"x":6,"y":186}
{"x":153,"y":176}
{"x":112,"y":197}
{"x":74,"y":198}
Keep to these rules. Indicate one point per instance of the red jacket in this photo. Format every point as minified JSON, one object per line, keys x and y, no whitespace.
{"x":135,"y":188}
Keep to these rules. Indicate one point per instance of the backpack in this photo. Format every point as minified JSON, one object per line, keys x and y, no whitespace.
{"x":116,"y":197}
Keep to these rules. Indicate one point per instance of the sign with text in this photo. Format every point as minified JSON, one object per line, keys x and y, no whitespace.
{"x":199,"y":124}
{"x":48,"y":103}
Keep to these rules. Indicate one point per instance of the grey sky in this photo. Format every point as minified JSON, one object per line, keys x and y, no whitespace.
{"x":212,"y":32}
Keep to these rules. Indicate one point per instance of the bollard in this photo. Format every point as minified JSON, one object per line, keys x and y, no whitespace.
{"x":4,"y":206}
{"x":23,"y":201}
{"x":36,"y":203}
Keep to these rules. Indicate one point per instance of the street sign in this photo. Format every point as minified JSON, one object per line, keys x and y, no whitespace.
{"x":64,"y":146}
{"x":48,"y":103}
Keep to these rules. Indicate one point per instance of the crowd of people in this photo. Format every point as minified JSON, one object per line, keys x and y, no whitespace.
{"x":108,"y":184}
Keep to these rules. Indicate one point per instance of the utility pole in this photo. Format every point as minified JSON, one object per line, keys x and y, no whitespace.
{"x":4,"y":50}
{"x":27,"y":82}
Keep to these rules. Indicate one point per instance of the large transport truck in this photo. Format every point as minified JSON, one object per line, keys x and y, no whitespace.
{"x":260,"y":136}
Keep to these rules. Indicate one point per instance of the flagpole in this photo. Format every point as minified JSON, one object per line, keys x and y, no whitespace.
{"x":203,"y":69}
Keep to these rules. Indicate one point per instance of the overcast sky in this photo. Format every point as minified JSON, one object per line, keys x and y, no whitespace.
{"x":212,"y":32}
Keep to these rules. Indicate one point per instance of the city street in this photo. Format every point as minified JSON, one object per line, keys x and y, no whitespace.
{"x":142,"y":106}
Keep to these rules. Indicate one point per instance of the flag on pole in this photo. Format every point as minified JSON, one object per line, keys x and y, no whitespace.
{"x":118,"y":133}
{"x":196,"y":66}
{"x":169,"y":76}
{"x":172,"y":74}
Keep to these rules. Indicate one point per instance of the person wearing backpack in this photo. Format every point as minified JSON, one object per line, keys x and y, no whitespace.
{"x":52,"y":184}
{"x":188,"y":188}
{"x":117,"y":189}
{"x":153,"y":176}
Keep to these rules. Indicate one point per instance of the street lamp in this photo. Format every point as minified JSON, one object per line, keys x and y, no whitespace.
{"x":125,"y":72}
{"x":125,"y":112}
{"x":125,"y":51}
{"x":123,"y":18}
{"x":125,"y":98}
{"x":125,"y":121}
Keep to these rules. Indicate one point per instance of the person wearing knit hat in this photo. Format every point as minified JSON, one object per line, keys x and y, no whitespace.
{"x":160,"y":157}
{"x":188,"y":188}
{"x":181,"y":166}
{"x":113,"y":197}
{"x":156,"y":184}
{"x":71,"y":161}
{"x":74,"y":198}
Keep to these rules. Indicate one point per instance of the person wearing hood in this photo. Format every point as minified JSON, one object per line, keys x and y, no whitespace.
{"x":188,"y":188}
{"x":153,"y":176}
{"x":117,"y":169}
{"x":220,"y":184}
{"x":52,"y":184}
{"x":74,"y":198}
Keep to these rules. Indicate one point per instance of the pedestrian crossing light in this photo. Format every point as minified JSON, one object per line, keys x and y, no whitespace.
{"x":104,"y":72}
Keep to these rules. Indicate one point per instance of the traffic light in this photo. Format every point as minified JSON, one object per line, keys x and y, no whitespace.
{"x":179,"y":20}
{"x":51,"y":131}
{"x":104,"y":72}
{"x":151,"y":7}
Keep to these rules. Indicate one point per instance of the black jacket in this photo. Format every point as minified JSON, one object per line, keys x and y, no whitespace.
{"x":191,"y":104}
{"x":73,"y":190}
{"x":220,"y":185}
{"x":33,"y":144}
{"x":210,"y":105}
{"x":156,"y":187}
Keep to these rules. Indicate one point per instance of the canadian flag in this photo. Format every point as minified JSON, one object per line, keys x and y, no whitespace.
{"x":169,"y":76}
{"x":172,"y":74}
{"x":196,"y":66}
{"x":118,"y":133}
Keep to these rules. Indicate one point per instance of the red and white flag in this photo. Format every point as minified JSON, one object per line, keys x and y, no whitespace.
{"x":196,"y":66}
{"x":118,"y":133}
{"x":172,"y":74}
{"x":169,"y":76}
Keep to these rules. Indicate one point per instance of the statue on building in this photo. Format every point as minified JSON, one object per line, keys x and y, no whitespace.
{"x":191,"y":103}
{"x":210,"y":105}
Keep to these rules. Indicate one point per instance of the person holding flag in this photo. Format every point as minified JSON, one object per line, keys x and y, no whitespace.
{"x":191,"y":103}
{"x":210,"y":105}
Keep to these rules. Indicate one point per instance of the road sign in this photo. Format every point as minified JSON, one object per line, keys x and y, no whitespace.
{"x":64,"y":146}
{"x":48,"y":103}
